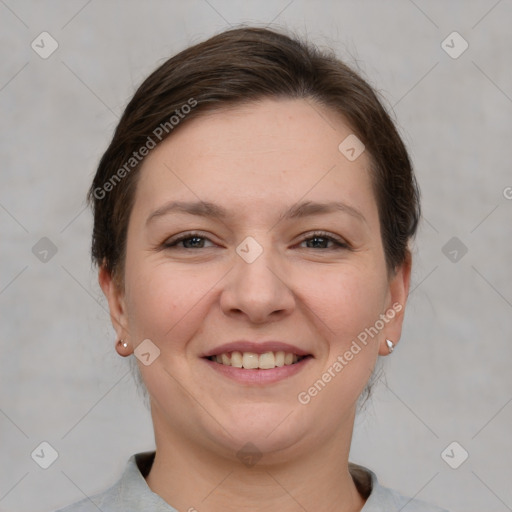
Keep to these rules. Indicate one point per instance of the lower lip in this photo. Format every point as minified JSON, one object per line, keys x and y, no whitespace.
{"x":255,"y":376}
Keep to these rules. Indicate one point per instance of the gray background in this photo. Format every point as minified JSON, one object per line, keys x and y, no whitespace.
{"x":449,"y":380}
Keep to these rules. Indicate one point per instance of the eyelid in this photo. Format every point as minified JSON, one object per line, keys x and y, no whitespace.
{"x":339,"y":242}
{"x":176,"y":239}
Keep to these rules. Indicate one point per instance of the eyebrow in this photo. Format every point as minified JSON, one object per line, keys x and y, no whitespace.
{"x":215,"y":211}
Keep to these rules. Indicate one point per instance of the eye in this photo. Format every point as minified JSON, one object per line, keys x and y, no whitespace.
{"x":321,"y":240}
{"x":316,"y":240}
{"x":188,"y":241}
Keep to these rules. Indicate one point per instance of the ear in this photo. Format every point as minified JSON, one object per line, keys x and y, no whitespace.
{"x":397,"y":297}
{"x":116,"y":304}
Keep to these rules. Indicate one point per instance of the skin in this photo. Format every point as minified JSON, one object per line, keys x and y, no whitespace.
{"x":256,"y":160}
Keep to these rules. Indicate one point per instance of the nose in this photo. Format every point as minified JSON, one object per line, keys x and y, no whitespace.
{"x":257,"y":290}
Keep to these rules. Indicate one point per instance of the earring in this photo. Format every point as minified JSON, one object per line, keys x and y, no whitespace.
{"x":391,"y":345}
{"x":123,"y":343}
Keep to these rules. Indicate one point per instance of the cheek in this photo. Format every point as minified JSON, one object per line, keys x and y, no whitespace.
{"x":346,"y":300}
{"x":346,"y":304}
{"x":164,"y":301}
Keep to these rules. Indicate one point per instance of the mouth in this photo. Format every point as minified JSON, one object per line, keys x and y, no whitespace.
{"x":253,"y":361}
{"x":257,"y":363}
{"x":252,"y":369}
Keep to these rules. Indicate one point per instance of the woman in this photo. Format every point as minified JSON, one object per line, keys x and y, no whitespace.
{"x":252,"y":217}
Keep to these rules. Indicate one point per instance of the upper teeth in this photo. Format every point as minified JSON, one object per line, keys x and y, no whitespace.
{"x":250,"y":360}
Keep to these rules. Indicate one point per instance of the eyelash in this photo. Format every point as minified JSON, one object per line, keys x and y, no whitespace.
{"x":338,"y":244}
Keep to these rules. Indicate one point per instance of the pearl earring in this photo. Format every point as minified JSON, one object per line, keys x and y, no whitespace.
{"x":391,"y":345}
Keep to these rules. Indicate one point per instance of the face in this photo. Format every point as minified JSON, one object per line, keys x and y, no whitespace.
{"x":284,"y":254}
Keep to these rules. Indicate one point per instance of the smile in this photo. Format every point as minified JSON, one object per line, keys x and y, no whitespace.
{"x":252,"y":361}
{"x":252,"y":369}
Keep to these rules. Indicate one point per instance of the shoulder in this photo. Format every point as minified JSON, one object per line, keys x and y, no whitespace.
{"x":383,"y":499}
{"x":130,"y":489}
{"x":398,"y":502}
{"x":106,"y":501}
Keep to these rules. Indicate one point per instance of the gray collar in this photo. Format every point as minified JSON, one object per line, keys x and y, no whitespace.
{"x":132,"y":493}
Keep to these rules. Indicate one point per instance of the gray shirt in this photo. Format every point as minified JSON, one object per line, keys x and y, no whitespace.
{"x":132,"y":494}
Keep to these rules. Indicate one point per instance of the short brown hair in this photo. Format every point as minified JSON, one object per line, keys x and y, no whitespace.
{"x":235,"y":67}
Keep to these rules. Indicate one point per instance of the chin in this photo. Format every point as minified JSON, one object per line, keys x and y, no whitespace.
{"x":267,"y":428}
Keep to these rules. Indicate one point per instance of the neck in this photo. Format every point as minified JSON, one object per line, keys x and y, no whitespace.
{"x":192,"y":478}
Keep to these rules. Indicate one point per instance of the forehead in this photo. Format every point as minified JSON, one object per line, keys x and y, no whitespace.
{"x":259,"y":154}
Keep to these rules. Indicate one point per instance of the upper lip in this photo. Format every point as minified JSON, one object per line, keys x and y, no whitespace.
{"x":256,"y":347}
